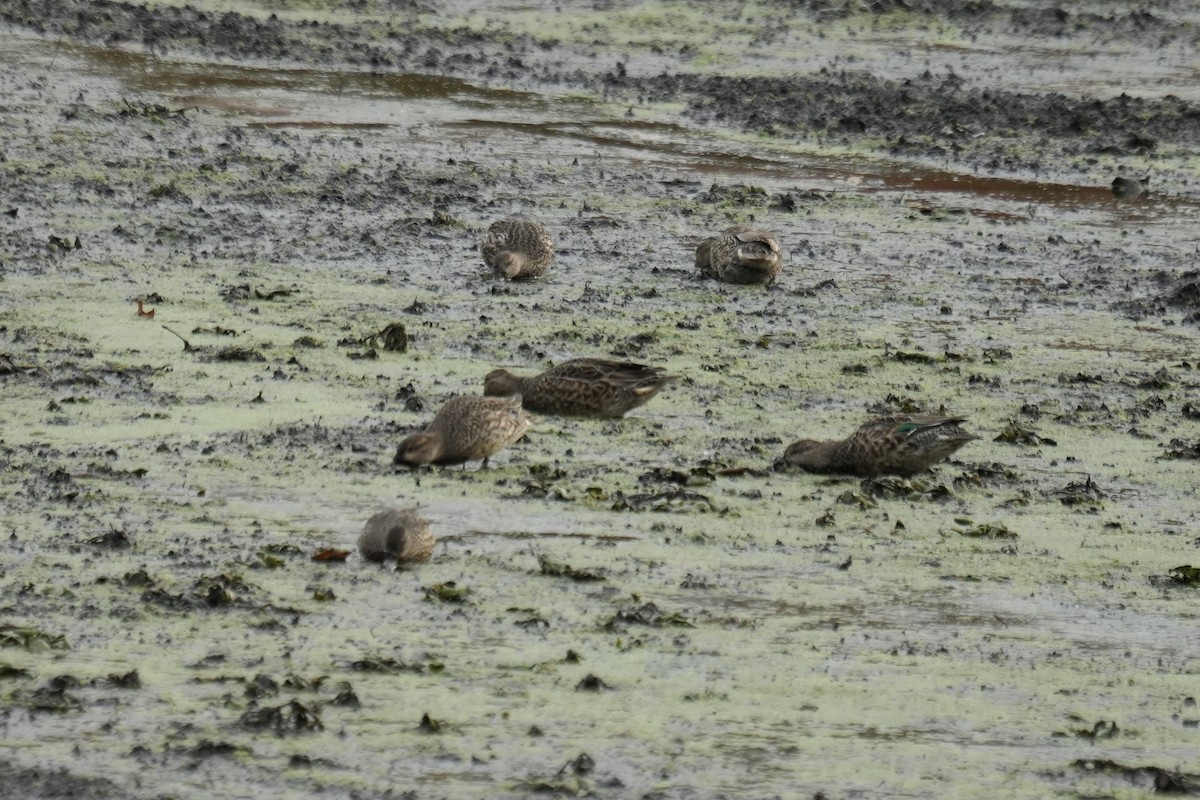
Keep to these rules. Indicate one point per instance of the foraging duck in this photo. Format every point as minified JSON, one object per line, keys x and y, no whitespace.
{"x":399,"y":533}
{"x":1126,"y":188}
{"x":582,"y":387}
{"x":466,"y":428}
{"x":899,"y":444}
{"x":517,"y":248}
{"x":741,"y":254}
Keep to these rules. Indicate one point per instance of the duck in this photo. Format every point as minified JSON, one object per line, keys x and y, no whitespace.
{"x":517,"y":249}
{"x":399,"y":533}
{"x":582,"y":387}
{"x":1127,"y":188}
{"x":741,"y":254}
{"x":897,"y":444}
{"x":466,"y":428}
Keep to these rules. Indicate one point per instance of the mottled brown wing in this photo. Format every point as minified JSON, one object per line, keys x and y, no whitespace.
{"x":759,"y":236}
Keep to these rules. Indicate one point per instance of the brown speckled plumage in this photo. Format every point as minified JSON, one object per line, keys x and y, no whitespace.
{"x":900,"y":444}
{"x":584,"y":387}
{"x":517,"y":248}
{"x":741,"y":254}
{"x":399,"y":533}
{"x":467,"y":428}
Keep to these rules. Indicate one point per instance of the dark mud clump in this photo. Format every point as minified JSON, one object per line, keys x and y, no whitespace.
{"x":1170,"y":293}
{"x":52,"y":784}
{"x":926,"y":116}
{"x":936,"y":116}
{"x":163,"y":29}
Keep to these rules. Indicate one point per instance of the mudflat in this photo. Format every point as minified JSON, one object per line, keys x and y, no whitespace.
{"x":239,"y":262}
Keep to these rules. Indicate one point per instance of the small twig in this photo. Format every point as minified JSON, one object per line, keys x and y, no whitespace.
{"x":57,"y":47}
{"x":187,"y":346}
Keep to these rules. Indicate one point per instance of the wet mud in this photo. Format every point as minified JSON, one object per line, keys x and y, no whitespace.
{"x":239,"y":263}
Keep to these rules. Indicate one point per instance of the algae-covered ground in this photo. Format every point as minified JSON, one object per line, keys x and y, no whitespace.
{"x":633,"y":608}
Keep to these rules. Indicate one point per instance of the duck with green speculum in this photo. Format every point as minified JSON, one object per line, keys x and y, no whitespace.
{"x":898,"y":444}
{"x":582,"y":387}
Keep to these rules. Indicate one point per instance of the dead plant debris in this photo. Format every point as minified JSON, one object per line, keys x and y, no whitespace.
{"x":549,"y":566}
{"x":1015,"y":433}
{"x":290,"y":719}
{"x":986,"y":530}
